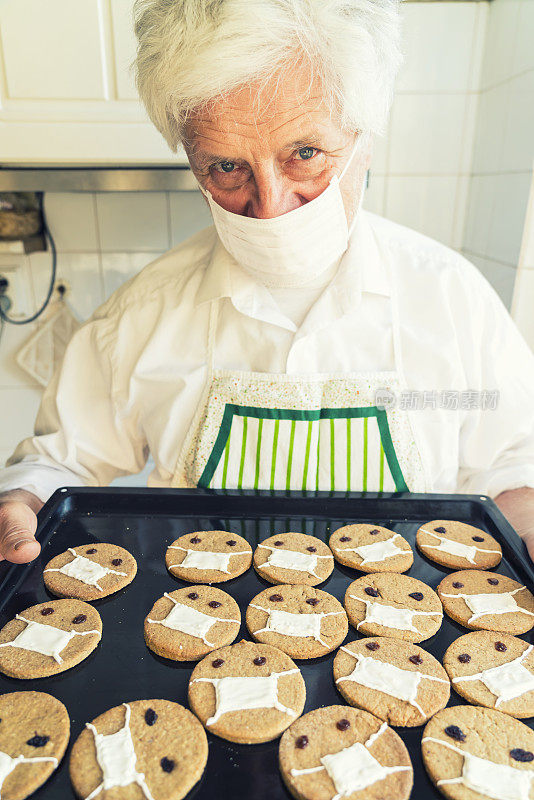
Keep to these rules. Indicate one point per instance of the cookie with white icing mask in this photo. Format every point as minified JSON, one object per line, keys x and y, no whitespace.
{"x":49,"y":638}
{"x":293,"y":558}
{"x":90,"y":571}
{"x":186,"y":624}
{"x":458,"y":545}
{"x":388,"y":604}
{"x":34,"y":734}
{"x":247,"y":692}
{"x":398,"y":681}
{"x":495,"y":670}
{"x":371,"y":548}
{"x":340,"y":752}
{"x":487,"y":601}
{"x":208,"y":556}
{"x":472,"y":752}
{"x":151,"y":749}
{"x":302,"y":621}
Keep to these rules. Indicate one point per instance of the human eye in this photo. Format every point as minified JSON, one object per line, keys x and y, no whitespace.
{"x":306,"y":153}
{"x":224,"y":166}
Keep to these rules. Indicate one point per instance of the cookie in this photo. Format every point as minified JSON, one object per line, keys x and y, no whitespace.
{"x":49,"y":638}
{"x":493,"y":670}
{"x":472,"y":752}
{"x":371,"y":548}
{"x":90,"y":571}
{"x":397,"y":681}
{"x":387,"y":604}
{"x":208,"y":556}
{"x":153,"y":748}
{"x":34,"y":733}
{"x":186,"y":624}
{"x":302,"y":621}
{"x":458,"y":545}
{"x":247,"y":692}
{"x":338,"y":751}
{"x":487,"y":601}
{"x":293,"y":558}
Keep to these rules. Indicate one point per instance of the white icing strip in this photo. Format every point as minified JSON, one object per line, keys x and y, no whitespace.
{"x":45,"y":639}
{"x":206,"y":559}
{"x":377,"y":551}
{"x":116,"y":758}
{"x":298,"y":625}
{"x":506,"y":682}
{"x":496,"y":781}
{"x":291,"y":560}
{"x":455,"y":548}
{"x":188,"y":620}
{"x":85,"y":570}
{"x":391,"y":617}
{"x":493,"y":603}
{"x":246,"y":693}
{"x":8,"y":764}
{"x":296,"y":772}
{"x":374,"y":736}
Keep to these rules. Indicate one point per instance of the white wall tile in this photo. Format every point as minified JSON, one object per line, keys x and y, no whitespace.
{"x":523,"y":303}
{"x":132,"y":221}
{"x":460,"y":211}
{"x":379,"y":159}
{"x":518,"y":147}
{"x":427,"y":134}
{"x":501,"y":276}
{"x":71,"y":219}
{"x":374,"y":196}
{"x":438,"y":40}
{"x":82,"y":273}
{"x":524,"y":44}
{"x":480,"y":201}
{"x":423,"y":203}
{"x":498,"y":64}
{"x":124,"y":46}
{"x":189,"y":213}
{"x":478,"y":46}
{"x":20,"y":406}
{"x":469,"y":133}
{"x":508,"y":217}
{"x":489,"y":132}
{"x":117,"y":268}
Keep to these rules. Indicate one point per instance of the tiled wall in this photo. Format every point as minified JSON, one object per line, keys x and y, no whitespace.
{"x":503,"y":155}
{"x":420,"y":176}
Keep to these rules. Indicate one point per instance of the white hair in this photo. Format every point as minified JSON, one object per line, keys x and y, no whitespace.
{"x":192,"y":52}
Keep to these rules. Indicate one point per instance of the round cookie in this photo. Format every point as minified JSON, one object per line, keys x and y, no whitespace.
{"x":186,"y":624}
{"x":247,"y":692}
{"x":371,"y":548}
{"x":90,"y":571}
{"x":397,"y":681}
{"x":468,"y":598}
{"x":458,"y":545}
{"x":473,"y":752}
{"x":302,"y":621}
{"x":505,"y":666}
{"x":34,"y":734}
{"x":208,"y":556}
{"x":49,"y":638}
{"x":388,"y":604}
{"x":338,"y":751}
{"x":165,"y":753}
{"x":293,"y":558}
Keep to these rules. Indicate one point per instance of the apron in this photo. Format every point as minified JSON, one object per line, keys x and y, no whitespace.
{"x":306,"y":432}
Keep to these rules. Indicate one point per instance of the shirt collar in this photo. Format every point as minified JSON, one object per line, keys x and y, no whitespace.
{"x":362,"y":269}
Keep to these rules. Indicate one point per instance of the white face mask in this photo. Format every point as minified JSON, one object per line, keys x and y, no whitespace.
{"x":293,"y":248}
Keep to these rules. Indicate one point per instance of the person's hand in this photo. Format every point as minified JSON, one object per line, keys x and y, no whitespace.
{"x":517,"y":505}
{"x":18,"y":523}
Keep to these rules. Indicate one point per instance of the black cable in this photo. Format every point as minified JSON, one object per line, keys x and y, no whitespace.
{"x":3,"y":316}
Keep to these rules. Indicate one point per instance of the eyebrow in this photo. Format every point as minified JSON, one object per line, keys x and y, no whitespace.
{"x":203,"y":159}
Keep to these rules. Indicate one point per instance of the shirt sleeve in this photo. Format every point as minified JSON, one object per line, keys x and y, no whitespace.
{"x":496,"y":444}
{"x":82,"y":435}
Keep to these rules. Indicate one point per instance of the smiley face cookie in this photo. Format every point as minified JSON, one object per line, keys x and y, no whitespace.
{"x":493,"y":670}
{"x":186,"y":624}
{"x":478,"y":752}
{"x":371,"y":548}
{"x":160,"y":754}
{"x":487,"y":601}
{"x":34,"y":734}
{"x":398,"y":681}
{"x":302,"y":621}
{"x":247,"y":692}
{"x":458,"y":545}
{"x":293,"y":558}
{"x":387,"y":604}
{"x":90,"y":571}
{"x":338,"y":751}
{"x":49,"y":638}
{"x":208,"y":556}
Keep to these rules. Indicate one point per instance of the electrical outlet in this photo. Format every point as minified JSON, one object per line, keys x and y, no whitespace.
{"x":19,"y":288}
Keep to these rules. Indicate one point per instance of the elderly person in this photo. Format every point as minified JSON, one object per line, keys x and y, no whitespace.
{"x":283,"y":347}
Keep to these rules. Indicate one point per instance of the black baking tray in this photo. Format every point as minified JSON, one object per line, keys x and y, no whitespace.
{"x":145,"y":521}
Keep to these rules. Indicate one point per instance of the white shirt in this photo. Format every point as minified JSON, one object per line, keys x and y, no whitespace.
{"x":134,"y":374}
